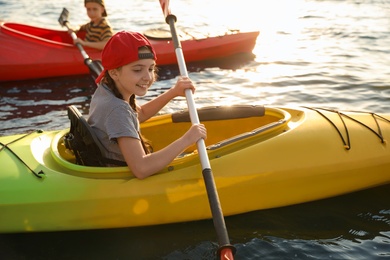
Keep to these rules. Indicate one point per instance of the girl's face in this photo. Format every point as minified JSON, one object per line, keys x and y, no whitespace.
{"x":94,"y":11}
{"x":135,"y":78}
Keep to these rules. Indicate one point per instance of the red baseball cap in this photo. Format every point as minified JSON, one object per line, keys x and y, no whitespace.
{"x":122,"y":49}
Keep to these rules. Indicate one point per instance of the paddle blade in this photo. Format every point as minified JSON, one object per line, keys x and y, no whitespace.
{"x":226,"y":254}
{"x":165,"y":7}
{"x":167,"y":11}
{"x":63,"y":19}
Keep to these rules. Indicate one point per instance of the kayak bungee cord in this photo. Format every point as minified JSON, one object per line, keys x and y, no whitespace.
{"x":347,"y":144}
{"x":5,"y":146}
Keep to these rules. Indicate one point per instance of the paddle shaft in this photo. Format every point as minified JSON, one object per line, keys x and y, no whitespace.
{"x":225,"y":248}
{"x":79,"y":46}
{"x":95,"y":67}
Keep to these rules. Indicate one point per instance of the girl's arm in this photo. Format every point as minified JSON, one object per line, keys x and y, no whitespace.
{"x":143,"y":165}
{"x":152,"y":107}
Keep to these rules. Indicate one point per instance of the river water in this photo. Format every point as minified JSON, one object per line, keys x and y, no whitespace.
{"x":332,"y":54}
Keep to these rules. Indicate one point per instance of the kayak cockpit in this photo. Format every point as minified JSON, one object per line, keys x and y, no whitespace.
{"x":230,"y":128}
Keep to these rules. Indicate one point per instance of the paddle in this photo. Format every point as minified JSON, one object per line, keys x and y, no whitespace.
{"x":226,"y":250}
{"x":95,"y":67}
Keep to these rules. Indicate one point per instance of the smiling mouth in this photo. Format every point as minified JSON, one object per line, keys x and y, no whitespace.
{"x":143,"y":85}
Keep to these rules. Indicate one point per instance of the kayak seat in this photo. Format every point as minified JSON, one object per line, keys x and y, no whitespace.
{"x":83,"y":142}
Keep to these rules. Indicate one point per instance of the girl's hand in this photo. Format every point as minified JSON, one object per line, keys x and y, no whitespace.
{"x":196,"y":132}
{"x":181,"y":85}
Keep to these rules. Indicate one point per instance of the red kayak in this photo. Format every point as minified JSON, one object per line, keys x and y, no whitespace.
{"x":29,"y":52}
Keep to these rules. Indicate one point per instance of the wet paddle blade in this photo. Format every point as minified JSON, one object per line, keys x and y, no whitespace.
{"x":63,"y":19}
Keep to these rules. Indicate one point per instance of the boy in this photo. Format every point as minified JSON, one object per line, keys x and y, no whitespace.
{"x":98,"y":30}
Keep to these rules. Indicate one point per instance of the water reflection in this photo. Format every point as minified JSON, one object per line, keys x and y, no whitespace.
{"x":45,"y":100}
{"x":327,"y":229}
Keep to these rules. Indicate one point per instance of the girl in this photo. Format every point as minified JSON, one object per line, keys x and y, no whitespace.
{"x":129,"y":63}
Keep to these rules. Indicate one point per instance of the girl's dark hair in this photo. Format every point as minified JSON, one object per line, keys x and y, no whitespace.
{"x":111,"y":85}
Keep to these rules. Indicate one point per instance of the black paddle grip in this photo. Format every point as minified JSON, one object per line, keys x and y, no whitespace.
{"x":216,"y":211}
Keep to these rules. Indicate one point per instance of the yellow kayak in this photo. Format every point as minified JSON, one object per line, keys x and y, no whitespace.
{"x":261,"y":157}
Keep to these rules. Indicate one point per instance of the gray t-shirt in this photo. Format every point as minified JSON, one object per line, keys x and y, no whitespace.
{"x":110,"y":118}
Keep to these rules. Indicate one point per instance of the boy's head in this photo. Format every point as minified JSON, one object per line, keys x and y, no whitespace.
{"x":123,"y":48}
{"x":101,"y":2}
